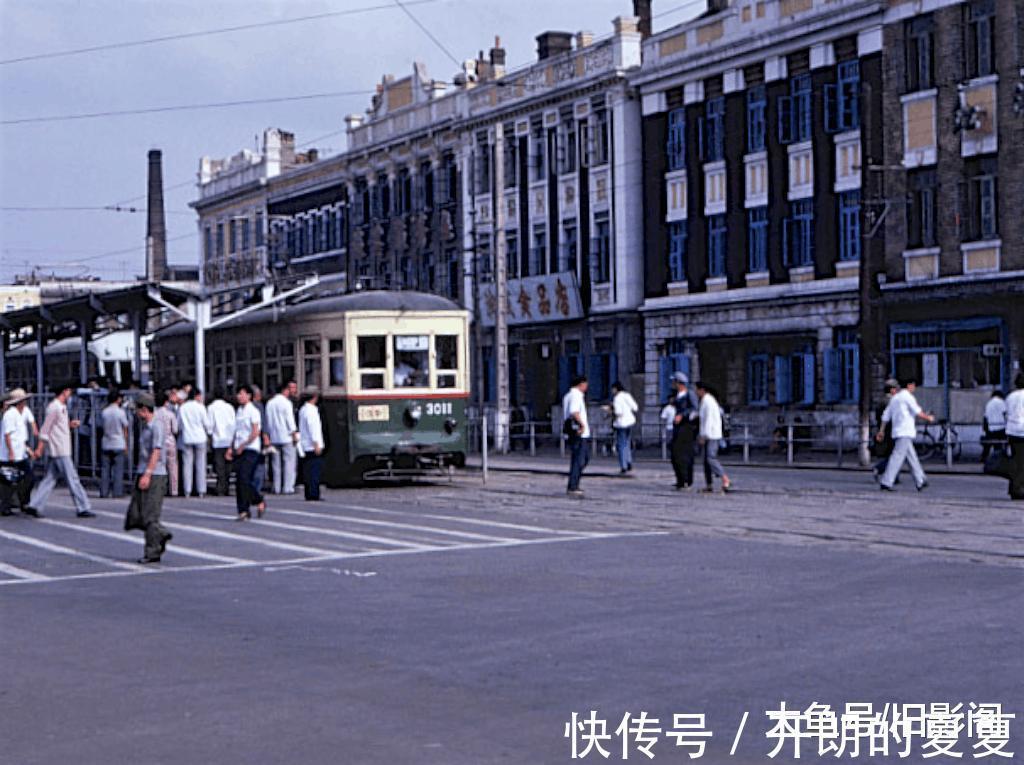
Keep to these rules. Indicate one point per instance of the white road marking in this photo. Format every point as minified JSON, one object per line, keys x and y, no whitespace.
{"x":392,"y":524}
{"x":458,"y":519}
{"x":20,"y":573}
{"x":33,"y":542}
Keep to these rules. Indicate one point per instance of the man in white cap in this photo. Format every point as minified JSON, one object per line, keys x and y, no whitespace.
{"x":684,"y":430}
{"x":14,"y":452}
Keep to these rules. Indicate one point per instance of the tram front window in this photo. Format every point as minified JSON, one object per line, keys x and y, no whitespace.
{"x":412,"y":361}
{"x":372,"y":356}
{"x":447,"y":354}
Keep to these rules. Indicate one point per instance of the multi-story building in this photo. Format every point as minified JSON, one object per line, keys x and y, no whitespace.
{"x":951,"y":287}
{"x":755,"y":119}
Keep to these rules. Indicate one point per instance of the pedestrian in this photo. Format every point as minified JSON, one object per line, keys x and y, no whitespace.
{"x":266,"y":449}
{"x":577,"y":428}
{"x":151,"y":482}
{"x":993,"y":425}
{"x":284,"y":435}
{"x":311,"y":443}
{"x":196,"y":426}
{"x":668,"y":416}
{"x":710,"y":437}
{"x":222,"y":423}
{"x":684,"y":430}
{"x":114,"y":446}
{"x":903,"y":412}
{"x":883,"y":447}
{"x":245,"y":453}
{"x":14,"y":453}
{"x":1015,"y":436}
{"x":55,"y":439}
{"x":624,"y":409}
{"x":167,"y":413}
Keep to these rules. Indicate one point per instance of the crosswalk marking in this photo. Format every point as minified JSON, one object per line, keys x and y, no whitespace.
{"x":457,"y":519}
{"x":20,"y":573}
{"x":50,"y":547}
{"x":392,"y":524}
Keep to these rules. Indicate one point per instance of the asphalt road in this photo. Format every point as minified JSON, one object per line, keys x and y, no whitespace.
{"x":454,"y":624}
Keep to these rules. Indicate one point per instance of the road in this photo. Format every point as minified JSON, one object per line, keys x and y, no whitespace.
{"x":457,"y":623}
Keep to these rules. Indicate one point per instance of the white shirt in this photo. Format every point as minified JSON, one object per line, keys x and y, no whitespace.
{"x":668,"y":416}
{"x":710,"y":418}
{"x":13,"y":426}
{"x":625,"y":408}
{"x":29,"y":420}
{"x":574,"y":402}
{"x":280,"y":420}
{"x":222,"y":423}
{"x":1015,"y":414}
{"x":311,"y":432}
{"x":196,"y":423}
{"x":245,"y":418}
{"x":995,"y":414}
{"x":902,"y":413}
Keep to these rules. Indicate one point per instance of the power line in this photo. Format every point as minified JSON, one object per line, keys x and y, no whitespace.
{"x":205,"y":33}
{"x":427,"y":32}
{"x":185,"y":107}
{"x":108,"y":208}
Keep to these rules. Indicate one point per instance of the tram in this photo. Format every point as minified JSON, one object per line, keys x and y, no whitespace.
{"x":392,"y":368}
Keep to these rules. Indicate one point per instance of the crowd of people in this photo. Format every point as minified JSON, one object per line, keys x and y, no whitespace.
{"x":176,"y":431}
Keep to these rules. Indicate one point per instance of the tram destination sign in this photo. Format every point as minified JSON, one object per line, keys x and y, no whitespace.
{"x":536,"y":300}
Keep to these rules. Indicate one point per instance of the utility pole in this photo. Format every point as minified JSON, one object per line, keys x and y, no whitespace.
{"x":871,"y":222}
{"x":501,"y":429}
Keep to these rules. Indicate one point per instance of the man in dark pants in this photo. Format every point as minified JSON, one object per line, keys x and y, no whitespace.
{"x":151,"y":483}
{"x":684,"y":430}
{"x":1015,"y":436}
{"x":246,"y":452}
{"x":574,"y":410}
{"x":14,"y":453}
{"x":311,"y":443}
{"x":883,"y":448}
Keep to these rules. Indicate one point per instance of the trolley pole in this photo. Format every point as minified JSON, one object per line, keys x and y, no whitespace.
{"x":501,"y":426}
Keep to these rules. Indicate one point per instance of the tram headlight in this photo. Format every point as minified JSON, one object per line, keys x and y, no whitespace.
{"x":413,"y":414}
{"x":450,"y":425}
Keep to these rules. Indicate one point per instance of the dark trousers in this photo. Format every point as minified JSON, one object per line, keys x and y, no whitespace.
{"x":112,"y":473}
{"x":312,"y":467}
{"x":682,"y":461}
{"x":1016,"y":467}
{"x":22,"y":490}
{"x":222,"y":470}
{"x":993,"y":439}
{"x":579,"y":454}
{"x":247,"y":485}
{"x":144,"y":513}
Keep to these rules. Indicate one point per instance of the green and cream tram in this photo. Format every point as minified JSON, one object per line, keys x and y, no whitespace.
{"x":392,"y":368}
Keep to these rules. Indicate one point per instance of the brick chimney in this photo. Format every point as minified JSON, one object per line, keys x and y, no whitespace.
{"x":553,"y":44}
{"x":156,"y":227}
{"x":642,"y":10}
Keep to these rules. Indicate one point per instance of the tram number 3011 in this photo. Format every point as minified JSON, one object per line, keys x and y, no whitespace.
{"x":439,"y":408}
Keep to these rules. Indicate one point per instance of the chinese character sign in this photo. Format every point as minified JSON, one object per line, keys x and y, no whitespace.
{"x":536,"y":299}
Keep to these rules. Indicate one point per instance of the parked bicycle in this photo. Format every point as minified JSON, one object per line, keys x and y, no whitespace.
{"x":931,"y":444}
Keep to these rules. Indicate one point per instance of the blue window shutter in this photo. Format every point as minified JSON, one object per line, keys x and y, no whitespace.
{"x":808,"y":391}
{"x":563,"y":374}
{"x":681,"y":363}
{"x":613,"y":369}
{"x":855,"y":353}
{"x":664,"y":377}
{"x":595,"y":377}
{"x":833,"y":375}
{"x":832,"y":117}
{"x":783,"y":380}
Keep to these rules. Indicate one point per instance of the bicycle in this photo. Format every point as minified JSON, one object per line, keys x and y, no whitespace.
{"x":929,"y":445}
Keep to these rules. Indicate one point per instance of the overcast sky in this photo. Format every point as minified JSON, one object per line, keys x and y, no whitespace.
{"x":102,"y":161}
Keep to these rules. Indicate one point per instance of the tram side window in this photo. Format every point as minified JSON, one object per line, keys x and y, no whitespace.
{"x":412,"y":361}
{"x":372,"y":356}
{"x":336,"y":352}
{"x":311,"y":362}
{"x":446,"y":348}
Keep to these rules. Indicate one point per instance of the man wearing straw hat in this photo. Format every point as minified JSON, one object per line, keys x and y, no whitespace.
{"x":14,"y":452}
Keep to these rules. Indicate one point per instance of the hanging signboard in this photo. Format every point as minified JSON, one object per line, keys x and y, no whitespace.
{"x":536,"y":300}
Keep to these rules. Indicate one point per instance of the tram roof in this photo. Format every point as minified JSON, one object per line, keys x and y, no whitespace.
{"x":353,"y":302}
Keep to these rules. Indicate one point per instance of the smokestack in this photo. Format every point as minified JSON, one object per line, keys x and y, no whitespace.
{"x":156,"y":228}
{"x":642,"y":10}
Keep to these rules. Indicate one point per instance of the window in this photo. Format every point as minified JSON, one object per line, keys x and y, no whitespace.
{"x":570,"y":247}
{"x":795,"y":111}
{"x":538,"y":148}
{"x":602,"y":369}
{"x":484,"y":256}
{"x":403,"y":192}
{"x":538,"y":252}
{"x":842,"y":368}
{"x":232,"y":236}
{"x":449,"y":179}
{"x":713,"y":130}
{"x":311,"y":361}
{"x":511,"y":157}
{"x":412,"y":361}
{"x":512,"y":254}
{"x":600,"y":149}
{"x":920,"y":61}
{"x":601,"y":249}
{"x":220,"y":240}
{"x":849,"y":225}
{"x":372,"y":356}
{"x":567,"y":146}
{"x":677,"y":251}
{"x":798,"y":234}
{"x":842,"y":99}
{"x":454,"y":274}
{"x":446,"y":349}
{"x":482,"y":177}
{"x":716,"y":246}
{"x":360,"y":200}
{"x":978,"y":203}
{"x":980,"y":31}
{"x":757,"y":379}
{"x":794,"y":377}
{"x":207,"y":243}
{"x":757,"y":240}
{"x":675,"y":148}
{"x":259,"y":230}
{"x":921,"y":209}
{"x":425,"y":188}
{"x":757,"y":102}
{"x":246,"y":240}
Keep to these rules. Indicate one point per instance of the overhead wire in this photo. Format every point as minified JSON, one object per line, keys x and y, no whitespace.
{"x":427,"y":32}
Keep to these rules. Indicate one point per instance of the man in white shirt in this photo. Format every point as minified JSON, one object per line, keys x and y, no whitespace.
{"x":196,"y":425}
{"x":222,"y":430}
{"x":993,"y":424}
{"x":14,"y":452}
{"x":624,"y":409}
{"x":246,"y":449}
{"x":903,"y":412}
{"x":577,"y":428}
{"x":55,"y":439}
{"x":710,"y":437}
{"x":311,"y":442}
{"x":284,"y":435}
{"x":1015,"y":436}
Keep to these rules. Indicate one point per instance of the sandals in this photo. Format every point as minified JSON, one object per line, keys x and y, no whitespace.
{"x":261,"y":508}
{"x":243,"y":516}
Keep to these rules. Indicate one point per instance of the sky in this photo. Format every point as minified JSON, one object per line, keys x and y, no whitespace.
{"x":101,"y":162}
